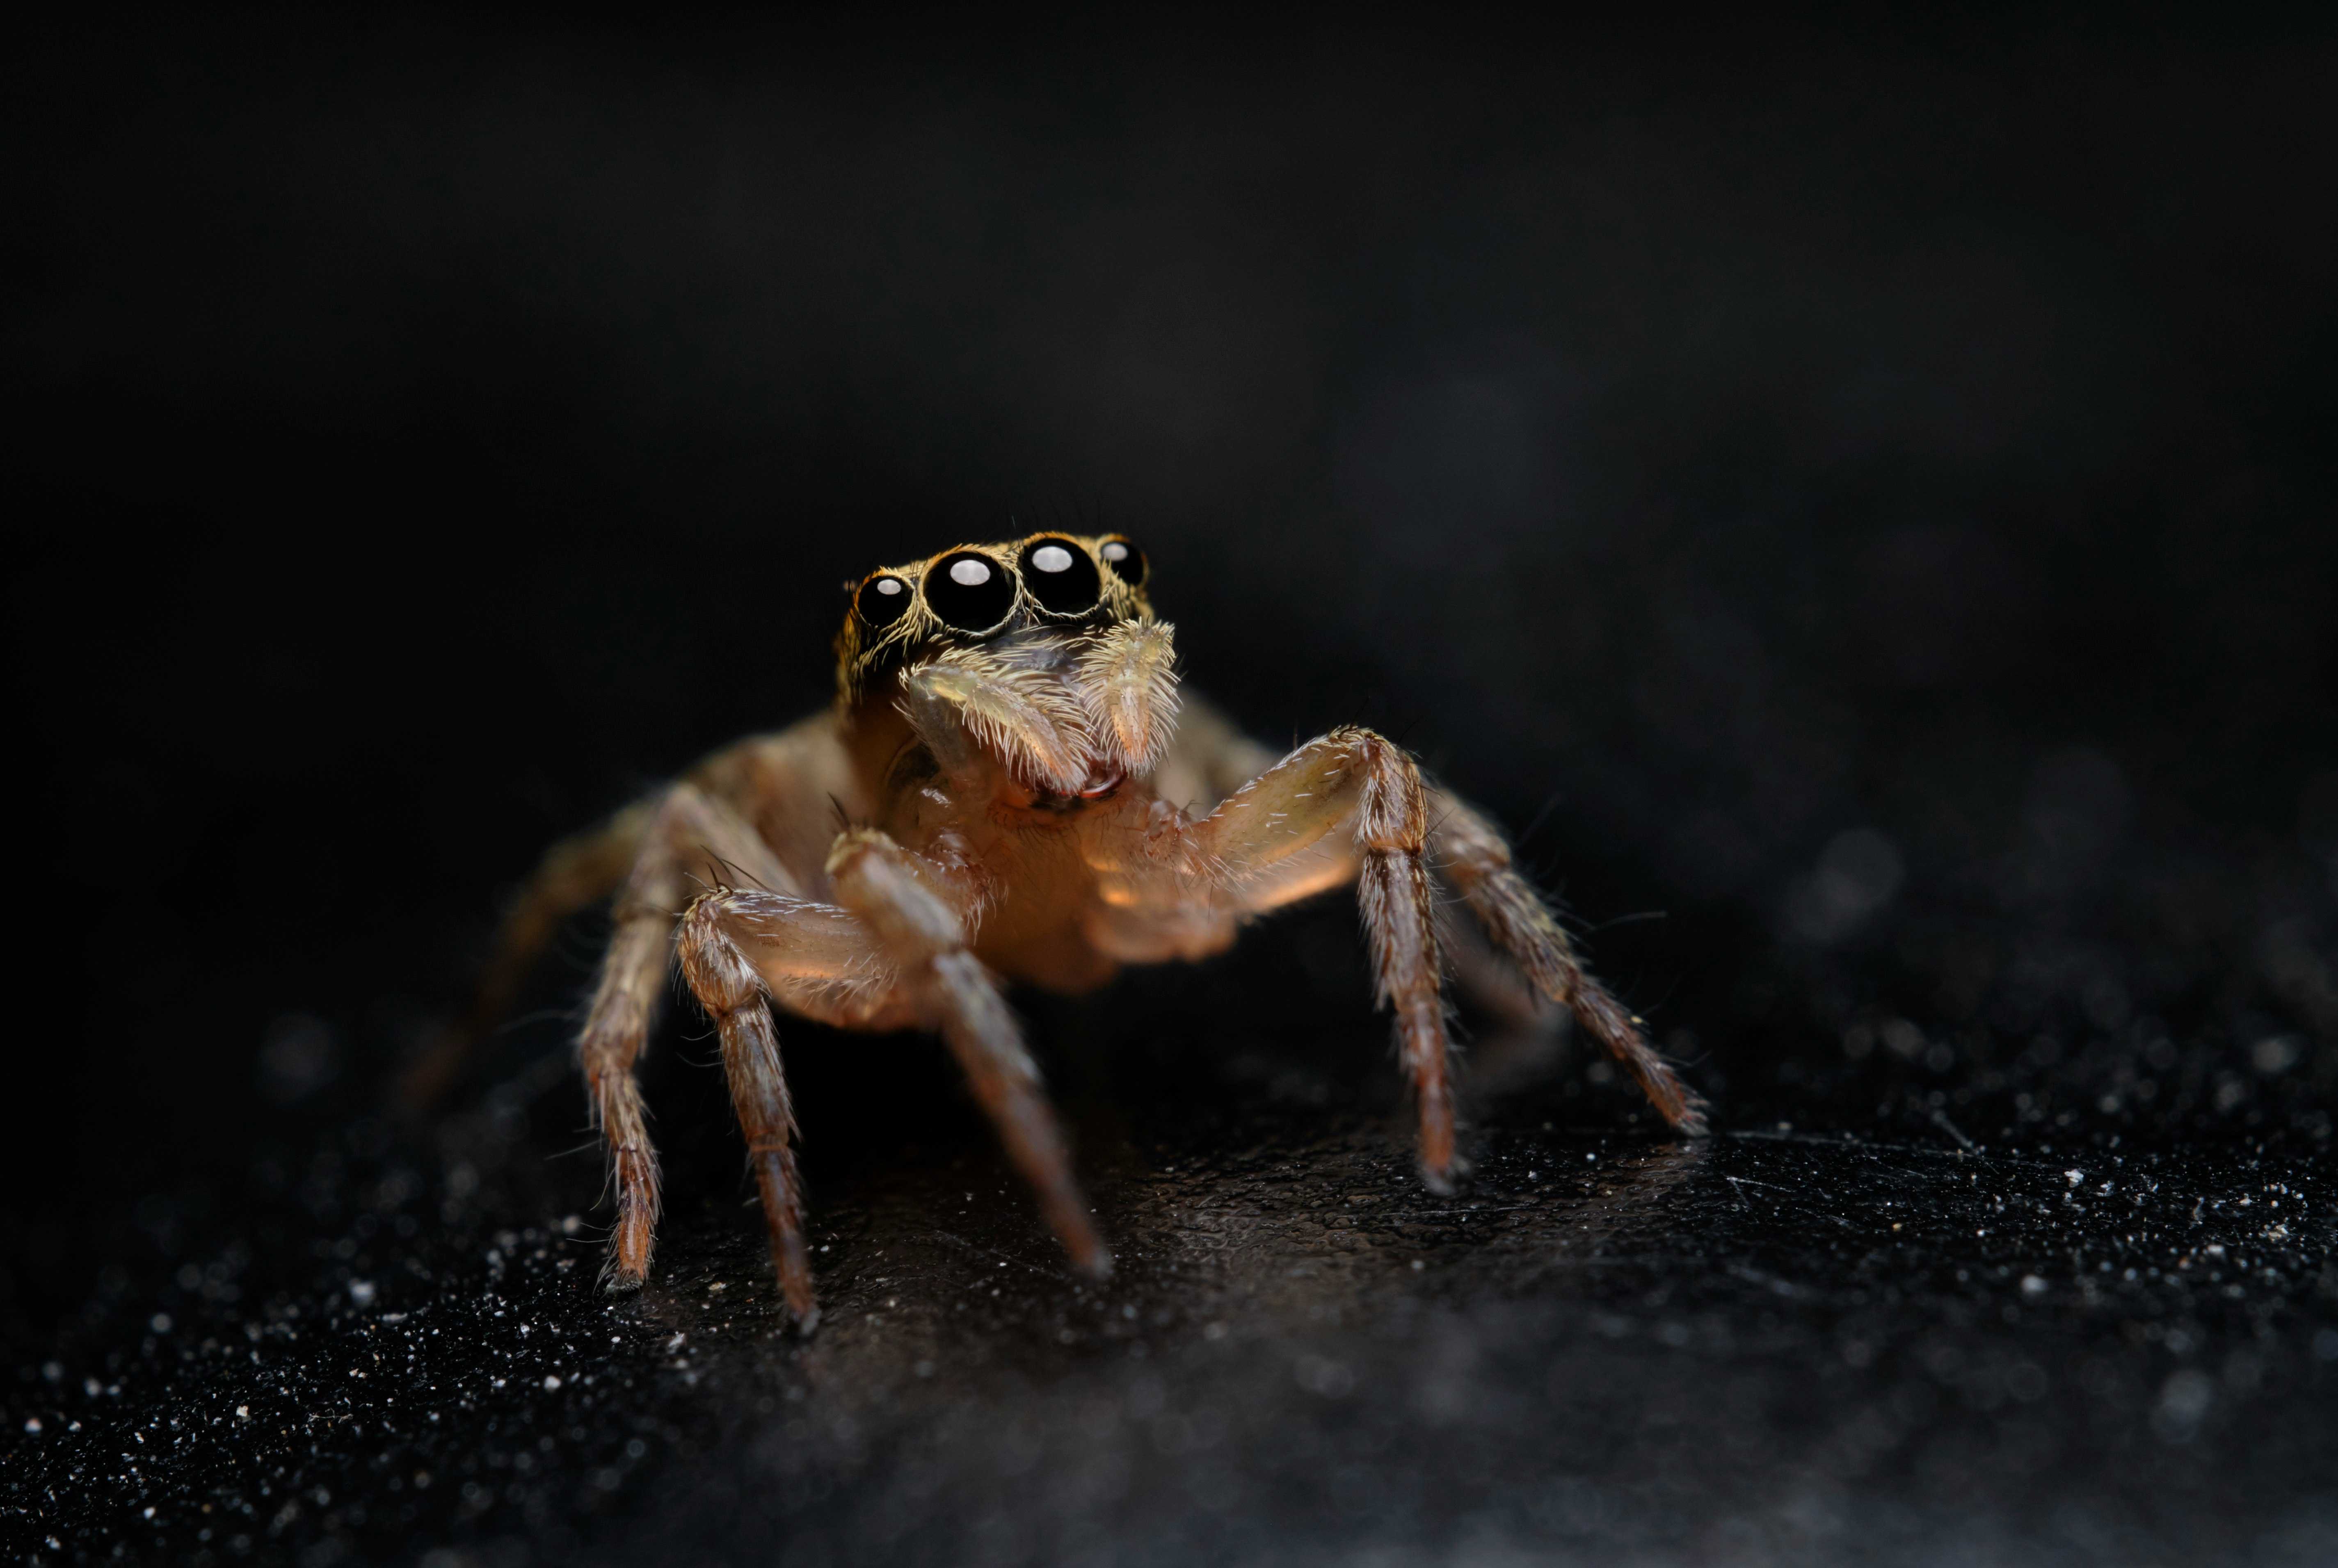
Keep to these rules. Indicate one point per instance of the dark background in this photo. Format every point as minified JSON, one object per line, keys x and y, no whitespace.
{"x":1862,"y":494}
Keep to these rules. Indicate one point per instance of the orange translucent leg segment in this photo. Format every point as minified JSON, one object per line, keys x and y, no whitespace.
{"x":925,"y":940}
{"x":1286,"y":812}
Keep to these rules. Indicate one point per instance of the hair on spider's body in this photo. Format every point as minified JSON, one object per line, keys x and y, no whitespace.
{"x":1012,"y":786}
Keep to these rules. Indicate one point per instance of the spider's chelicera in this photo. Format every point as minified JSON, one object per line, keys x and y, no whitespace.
{"x":1030,"y":798}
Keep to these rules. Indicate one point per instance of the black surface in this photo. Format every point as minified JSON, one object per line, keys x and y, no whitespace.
{"x":1774,"y":1345}
{"x":1861,"y":496}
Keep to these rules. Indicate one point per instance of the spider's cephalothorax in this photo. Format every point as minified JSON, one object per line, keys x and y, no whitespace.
{"x":1026,"y":796}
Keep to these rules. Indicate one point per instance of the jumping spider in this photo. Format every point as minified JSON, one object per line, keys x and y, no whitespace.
{"x":1034,"y":799}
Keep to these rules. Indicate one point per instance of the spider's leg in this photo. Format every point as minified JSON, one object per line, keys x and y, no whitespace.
{"x":1522,"y":1028}
{"x":731,"y":992}
{"x":686,"y":834}
{"x":574,"y":875}
{"x":1208,"y":757}
{"x":1267,"y":842}
{"x":1486,"y":977}
{"x":1476,"y":860}
{"x":740,"y":950}
{"x":924,"y":940}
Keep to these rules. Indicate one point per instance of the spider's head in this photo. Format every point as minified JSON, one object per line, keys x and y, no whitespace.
{"x":980,"y":595}
{"x":1046,"y":645}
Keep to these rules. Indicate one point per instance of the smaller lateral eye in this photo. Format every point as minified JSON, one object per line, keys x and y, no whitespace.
{"x":1061,"y":577}
{"x":883,"y":600}
{"x":1126,"y":561}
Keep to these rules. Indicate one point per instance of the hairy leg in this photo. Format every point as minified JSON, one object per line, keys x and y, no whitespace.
{"x":740,"y":950}
{"x":575,"y":874}
{"x":1267,"y":843}
{"x":1521,"y":1028}
{"x":1208,"y":757}
{"x":776,"y":779}
{"x":728,"y":987}
{"x":687,"y":833}
{"x":795,"y":788}
{"x":1487,"y":978}
{"x":1476,"y":860}
{"x":924,"y":940}
{"x":1209,"y":761}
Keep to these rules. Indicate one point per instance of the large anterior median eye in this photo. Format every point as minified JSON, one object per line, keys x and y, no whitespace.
{"x":1126,"y":561}
{"x":881,"y":601}
{"x":1061,"y":577}
{"x":970,"y":592}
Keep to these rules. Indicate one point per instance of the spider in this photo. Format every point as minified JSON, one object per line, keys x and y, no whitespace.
{"x":1027,"y":796}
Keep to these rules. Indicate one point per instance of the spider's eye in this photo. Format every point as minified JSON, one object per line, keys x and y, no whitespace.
{"x":881,"y":601}
{"x":1126,"y":561}
{"x":1061,"y":577}
{"x":970,"y":592}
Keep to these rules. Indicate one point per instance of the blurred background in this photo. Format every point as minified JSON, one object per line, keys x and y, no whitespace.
{"x":1863,"y":496}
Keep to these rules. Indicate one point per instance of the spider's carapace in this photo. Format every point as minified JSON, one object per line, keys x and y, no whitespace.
{"x":1028,"y":797}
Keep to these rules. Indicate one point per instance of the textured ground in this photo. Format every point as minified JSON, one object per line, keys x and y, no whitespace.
{"x":1770,"y":1346}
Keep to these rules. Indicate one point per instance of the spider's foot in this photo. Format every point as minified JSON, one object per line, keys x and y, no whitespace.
{"x":1444,"y":1180}
{"x":1689,"y":1121}
{"x":629,"y":1255}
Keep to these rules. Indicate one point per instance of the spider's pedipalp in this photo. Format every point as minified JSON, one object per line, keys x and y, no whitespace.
{"x":1024,"y":716}
{"x":1128,"y":679}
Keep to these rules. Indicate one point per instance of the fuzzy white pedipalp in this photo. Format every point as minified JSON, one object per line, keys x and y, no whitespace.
{"x":1127,"y":683}
{"x":1024,"y":715}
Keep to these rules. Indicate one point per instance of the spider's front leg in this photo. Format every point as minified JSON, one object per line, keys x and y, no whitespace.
{"x":676,"y":833}
{"x":891,"y":952}
{"x":738,"y":950}
{"x":924,"y":939}
{"x":685,"y":830}
{"x":1288,"y":810}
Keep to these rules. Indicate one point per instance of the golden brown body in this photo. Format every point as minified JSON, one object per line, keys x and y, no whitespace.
{"x":1025,"y":796}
